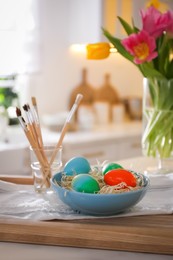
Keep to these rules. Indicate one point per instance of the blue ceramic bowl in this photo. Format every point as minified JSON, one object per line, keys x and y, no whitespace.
{"x":98,"y":204}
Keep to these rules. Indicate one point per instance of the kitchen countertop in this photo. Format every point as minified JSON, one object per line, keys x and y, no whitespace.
{"x":98,"y":133}
{"x":15,"y":135}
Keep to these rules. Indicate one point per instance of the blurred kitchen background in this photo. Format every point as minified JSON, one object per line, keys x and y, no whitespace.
{"x":42,"y":54}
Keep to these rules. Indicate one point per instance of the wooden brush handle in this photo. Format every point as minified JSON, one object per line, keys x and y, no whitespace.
{"x":59,"y":144}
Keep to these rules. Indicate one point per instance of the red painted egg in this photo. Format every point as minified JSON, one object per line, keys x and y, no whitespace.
{"x":117,"y":176}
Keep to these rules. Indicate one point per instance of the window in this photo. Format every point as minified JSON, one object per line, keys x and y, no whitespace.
{"x":19,"y":36}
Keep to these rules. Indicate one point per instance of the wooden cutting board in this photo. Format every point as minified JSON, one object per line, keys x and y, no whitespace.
{"x":83,"y":88}
{"x":86,"y":90}
{"x":107,"y":92}
{"x":151,"y":234}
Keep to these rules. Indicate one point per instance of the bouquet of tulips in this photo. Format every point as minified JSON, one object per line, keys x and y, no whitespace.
{"x":151,"y":50}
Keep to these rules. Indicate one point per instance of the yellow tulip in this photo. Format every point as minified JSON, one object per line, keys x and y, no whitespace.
{"x":162,"y":7}
{"x":154,"y":3}
{"x":98,"y":51}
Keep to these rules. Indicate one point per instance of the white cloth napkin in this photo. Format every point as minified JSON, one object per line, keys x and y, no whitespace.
{"x":21,"y":202}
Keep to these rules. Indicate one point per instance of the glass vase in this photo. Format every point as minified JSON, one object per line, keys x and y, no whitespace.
{"x":157,"y":137}
{"x":42,"y":169}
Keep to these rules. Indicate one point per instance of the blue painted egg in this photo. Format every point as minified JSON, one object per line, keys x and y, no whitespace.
{"x":77,"y":165}
{"x":85,"y":183}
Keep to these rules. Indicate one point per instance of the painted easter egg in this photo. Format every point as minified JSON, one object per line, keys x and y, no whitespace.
{"x":77,"y":165}
{"x":117,"y":176}
{"x":110,"y":166}
{"x":85,"y":183}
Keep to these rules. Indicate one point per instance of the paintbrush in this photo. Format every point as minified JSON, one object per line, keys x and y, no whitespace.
{"x":21,"y":119}
{"x":66,"y":125}
{"x":38,"y":152}
{"x":37,"y":134}
{"x":30,"y":122}
{"x":37,"y":120}
{"x":36,"y":124}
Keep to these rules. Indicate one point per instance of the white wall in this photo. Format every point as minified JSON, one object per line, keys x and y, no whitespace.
{"x":61,"y":70}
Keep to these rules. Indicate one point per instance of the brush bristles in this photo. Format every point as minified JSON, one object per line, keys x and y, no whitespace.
{"x":25,"y":107}
{"x":23,"y":120}
{"x":18,"y":112}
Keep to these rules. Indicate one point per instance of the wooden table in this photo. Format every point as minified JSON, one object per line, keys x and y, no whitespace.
{"x":151,"y":234}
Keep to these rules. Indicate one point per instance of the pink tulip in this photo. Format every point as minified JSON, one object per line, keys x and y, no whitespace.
{"x":169,"y":28}
{"x":141,"y":46}
{"x":154,"y":22}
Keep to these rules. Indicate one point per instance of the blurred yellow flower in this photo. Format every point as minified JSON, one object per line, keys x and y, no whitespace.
{"x":162,"y":7}
{"x":98,"y":51}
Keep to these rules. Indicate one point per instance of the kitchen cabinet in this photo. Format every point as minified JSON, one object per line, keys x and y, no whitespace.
{"x":112,"y":150}
{"x":130,"y":147}
{"x":111,"y":142}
